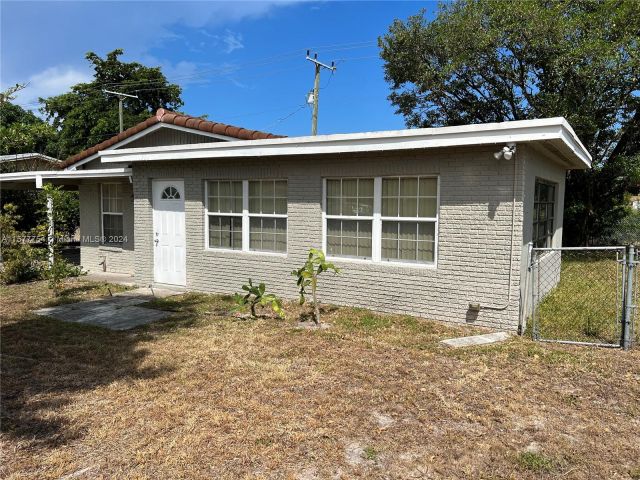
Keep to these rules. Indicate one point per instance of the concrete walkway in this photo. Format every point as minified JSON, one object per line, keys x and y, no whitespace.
{"x":474,"y":340}
{"x":119,"y":312}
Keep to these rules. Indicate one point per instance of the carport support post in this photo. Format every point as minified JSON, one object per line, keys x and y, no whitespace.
{"x":628,"y":299}
{"x":50,"y":229}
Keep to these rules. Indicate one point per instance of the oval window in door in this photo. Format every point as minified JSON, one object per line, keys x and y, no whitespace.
{"x":170,"y":193}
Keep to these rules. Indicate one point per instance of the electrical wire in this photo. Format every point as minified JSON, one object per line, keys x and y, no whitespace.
{"x":222,"y":71}
{"x":286,"y":117}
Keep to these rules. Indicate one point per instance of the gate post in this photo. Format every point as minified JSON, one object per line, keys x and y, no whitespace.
{"x":535,"y":332}
{"x":628,"y":300}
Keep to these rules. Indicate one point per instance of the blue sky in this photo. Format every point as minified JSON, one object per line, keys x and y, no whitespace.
{"x":239,"y":62}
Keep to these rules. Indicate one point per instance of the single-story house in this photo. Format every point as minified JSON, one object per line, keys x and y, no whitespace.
{"x":429,"y":222}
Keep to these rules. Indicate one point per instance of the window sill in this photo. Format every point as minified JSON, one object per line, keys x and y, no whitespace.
{"x":227,"y":251}
{"x":384,"y":263}
{"x":109,"y":248}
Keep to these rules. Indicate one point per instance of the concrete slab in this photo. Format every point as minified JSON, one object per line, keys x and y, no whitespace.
{"x":116,"y":313}
{"x":476,"y":340}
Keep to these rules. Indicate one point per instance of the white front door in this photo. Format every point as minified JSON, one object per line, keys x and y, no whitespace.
{"x":169,"y":241}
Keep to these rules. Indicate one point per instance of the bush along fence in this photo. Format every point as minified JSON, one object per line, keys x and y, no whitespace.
{"x":584,"y":295}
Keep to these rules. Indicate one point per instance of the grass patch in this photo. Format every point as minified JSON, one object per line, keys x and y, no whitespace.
{"x":370,"y":453}
{"x":535,"y":462}
{"x":205,"y":394}
{"x":354,"y":319}
{"x":585,"y":304}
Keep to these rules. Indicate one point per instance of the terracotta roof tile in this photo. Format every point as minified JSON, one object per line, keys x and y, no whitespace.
{"x":171,"y":118}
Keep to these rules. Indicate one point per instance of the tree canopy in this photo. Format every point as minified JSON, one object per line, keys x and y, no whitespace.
{"x":20,"y":130}
{"x":485,"y":61}
{"x":86,"y":115}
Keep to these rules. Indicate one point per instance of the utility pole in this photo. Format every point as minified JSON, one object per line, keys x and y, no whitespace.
{"x":316,"y":88}
{"x":121,"y":97}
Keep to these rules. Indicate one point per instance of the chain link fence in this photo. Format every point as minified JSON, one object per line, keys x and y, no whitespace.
{"x":578,"y":295}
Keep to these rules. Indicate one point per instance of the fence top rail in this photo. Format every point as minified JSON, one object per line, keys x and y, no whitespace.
{"x":552,"y":249}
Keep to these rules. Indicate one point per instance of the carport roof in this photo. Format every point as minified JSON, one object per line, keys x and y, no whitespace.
{"x":62,"y":176}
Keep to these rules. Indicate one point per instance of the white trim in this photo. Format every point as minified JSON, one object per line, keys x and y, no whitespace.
{"x":324,"y":215}
{"x":245,"y":216}
{"x":554,"y":130}
{"x":64,"y":174}
{"x":376,"y":227}
{"x":103,"y":213}
{"x":146,"y":131}
{"x":376,"y":232}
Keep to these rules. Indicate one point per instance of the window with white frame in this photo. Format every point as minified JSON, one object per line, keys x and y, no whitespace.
{"x":247,"y":215}
{"x":382,"y":218}
{"x":409,"y":216}
{"x":349,"y":217}
{"x":112,"y":213}
{"x":543,"y":213}
{"x":268,"y":215}
{"x":225,"y":210}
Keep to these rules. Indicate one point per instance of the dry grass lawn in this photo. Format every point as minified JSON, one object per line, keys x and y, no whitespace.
{"x":207,"y":395}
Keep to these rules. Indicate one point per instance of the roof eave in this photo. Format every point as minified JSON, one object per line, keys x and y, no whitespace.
{"x":62,"y":176}
{"x":555,"y":130}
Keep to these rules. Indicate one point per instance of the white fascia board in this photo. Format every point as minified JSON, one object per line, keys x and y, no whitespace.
{"x":551,"y":129}
{"x":147,"y":131}
{"x":64,"y":174}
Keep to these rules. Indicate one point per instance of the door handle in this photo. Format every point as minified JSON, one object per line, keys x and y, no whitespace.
{"x":157,"y":241}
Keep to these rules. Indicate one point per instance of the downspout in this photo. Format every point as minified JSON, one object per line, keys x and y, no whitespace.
{"x":513,"y":221}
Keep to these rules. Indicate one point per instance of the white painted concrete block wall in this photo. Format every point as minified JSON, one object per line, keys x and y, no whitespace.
{"x":540,"y":165}
{"x":475,"y":233}
{"x":92,"y":253}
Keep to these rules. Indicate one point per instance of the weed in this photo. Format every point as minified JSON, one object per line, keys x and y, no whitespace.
{"x":535,"y":462}
{"x":370,"y":453}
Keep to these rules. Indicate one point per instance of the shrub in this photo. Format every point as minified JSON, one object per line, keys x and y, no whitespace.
{"x":22,"y":263}
{"x":308,"y":277}
{"x":60,"y":270}
{"x":256,"y":296}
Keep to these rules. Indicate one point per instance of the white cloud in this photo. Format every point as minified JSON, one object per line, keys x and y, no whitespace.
{"x":182,"y":72}
{"x":51,"y":81}
{"x":232,"y":41}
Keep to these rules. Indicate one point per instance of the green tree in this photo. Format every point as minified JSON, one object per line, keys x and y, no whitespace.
{"x":23,"y":132}
{"x":489,"y":61}
{"x":86,"y":115}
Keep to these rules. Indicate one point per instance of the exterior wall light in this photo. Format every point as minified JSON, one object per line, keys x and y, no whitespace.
{"x":507,"y":152}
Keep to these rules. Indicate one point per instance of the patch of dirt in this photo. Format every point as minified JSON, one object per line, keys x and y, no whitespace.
{"x":383,"y":421}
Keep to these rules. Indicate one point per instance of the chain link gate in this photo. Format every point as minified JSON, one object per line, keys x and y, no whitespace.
{"x":584,"y":296}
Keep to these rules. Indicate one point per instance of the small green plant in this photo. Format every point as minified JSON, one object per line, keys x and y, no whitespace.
{"x":370,"y":453}
{"x":308,"y":277}
{"x":535,"y":462}
{"x":256,"y":296}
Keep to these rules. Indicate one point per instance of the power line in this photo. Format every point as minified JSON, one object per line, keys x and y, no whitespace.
{"x":226,"y":70}
{"x":280,"y":120}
